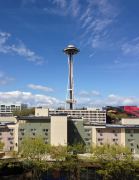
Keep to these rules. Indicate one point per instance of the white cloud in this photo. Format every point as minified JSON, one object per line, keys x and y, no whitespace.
{"x":110,"y":100}
{"x":118,"y":100}
{"x":4,"y":79}
{"x":18,"y":49}
{"x":43,"y":100}
{"x":39,"y":87}
{"x":29,"y":98}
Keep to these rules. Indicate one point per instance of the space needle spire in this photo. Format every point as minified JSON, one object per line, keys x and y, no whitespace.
{"x":70,"y":51}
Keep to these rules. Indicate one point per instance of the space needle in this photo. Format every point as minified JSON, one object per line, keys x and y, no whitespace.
{"x":70,"y":51}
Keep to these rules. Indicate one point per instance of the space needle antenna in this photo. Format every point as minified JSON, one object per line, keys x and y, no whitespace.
{"x":70,"y":51}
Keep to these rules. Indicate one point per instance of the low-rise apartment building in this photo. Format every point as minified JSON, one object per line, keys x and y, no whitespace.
{"x":62,"y":129}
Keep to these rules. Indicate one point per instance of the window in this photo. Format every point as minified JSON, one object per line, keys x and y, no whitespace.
{"x":132,"y":144}
{"x":101,"y":134}
{"x":87,"y":130}
{"x":45,"y":138}
{"x":87,"y":139}
{"x":11,"y":133}
{"x":132,"y":150}
{"x":11,"y":148}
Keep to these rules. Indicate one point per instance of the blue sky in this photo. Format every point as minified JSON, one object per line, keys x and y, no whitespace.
{"x":34,"y":70}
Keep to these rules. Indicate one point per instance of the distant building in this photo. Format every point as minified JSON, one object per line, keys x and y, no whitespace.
{"x":132,"y":110}
{"x":89,"y":115}
{"x":7,"y":109}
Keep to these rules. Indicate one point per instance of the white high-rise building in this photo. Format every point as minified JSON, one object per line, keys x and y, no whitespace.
{"x":89,"y":115}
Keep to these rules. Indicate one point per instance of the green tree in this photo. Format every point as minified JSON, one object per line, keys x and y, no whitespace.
{"x":115,"y":161}
{"x":67,"y":158}
{"x":24,"y":112}
{"x":35,"y":153}
{"x":1,"y":146}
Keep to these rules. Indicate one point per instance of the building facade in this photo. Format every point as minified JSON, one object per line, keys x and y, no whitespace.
{"x":9,"y":133}
{"x":53,"y":130}
{"x":89,"y":115}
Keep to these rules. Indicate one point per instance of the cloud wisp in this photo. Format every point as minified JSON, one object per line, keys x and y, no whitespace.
{"x":95,"y":21}
{"x":4,"y":80}
{"x":18,"y":49}
{"x":89,"y":94}
{"x":131,"y":47}
{"x":93,"y":17}
{"x":40,"y":87}
{"x":63,"y":7}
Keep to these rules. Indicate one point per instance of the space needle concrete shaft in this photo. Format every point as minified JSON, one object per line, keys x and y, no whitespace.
{"x":70,"y":51}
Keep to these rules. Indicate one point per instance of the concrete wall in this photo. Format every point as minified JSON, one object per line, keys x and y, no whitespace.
{"x":9,"y":136}
{"x":76,"y":132}
{"x":13,"y":133}
{"x":108,"y":136}
{"x":130,"y":121}
{"x":34,"y":128}
{"x":8,"y":119}
{"x":41,"y":111}
{"x":132,"y":139}
{"x":123,"y":136}
{"x":58,"y":130}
